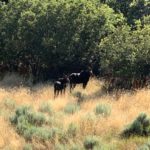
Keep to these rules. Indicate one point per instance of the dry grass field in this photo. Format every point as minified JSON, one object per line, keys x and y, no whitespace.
{"x":65,"y":111}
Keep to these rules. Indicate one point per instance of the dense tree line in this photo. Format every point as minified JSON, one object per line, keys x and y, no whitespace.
{"x":51,"y":37}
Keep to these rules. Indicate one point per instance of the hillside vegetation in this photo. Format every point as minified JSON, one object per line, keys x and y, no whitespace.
{"x":32,"y":119}
{"x":51,"y":37}
{"x":41,"y":40}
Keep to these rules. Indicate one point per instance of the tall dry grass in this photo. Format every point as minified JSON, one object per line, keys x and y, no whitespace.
{"x":123,"y":110}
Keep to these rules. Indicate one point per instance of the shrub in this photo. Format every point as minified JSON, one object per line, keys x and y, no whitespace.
{"x":102,"y":109}
{"x":72,"y":130}
{"x":36,"y":118}
{"x":90,"y":142}
{"x":43,"y":133}
{"x":140,"y":127}
{"x":10,"y":104}
{"x":45,"y":108}
{"x":71,"y":108}
{"x":27,"y":147}
{"x":28,"y":124}
{"x":25,"y":114}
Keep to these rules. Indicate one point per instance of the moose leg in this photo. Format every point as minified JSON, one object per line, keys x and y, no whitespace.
{"x":70,"y":87}
{"x":64,"y":90}
{"x":61,"y":91}
{"x":55,"y":92}
{"x":74,"y":85}
{"x":84,"y":85}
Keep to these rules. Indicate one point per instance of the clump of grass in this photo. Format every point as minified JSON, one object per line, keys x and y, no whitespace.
{"x":46,"y":108}
{"x":140,"y":127}
{"x":91,"y":142}
{"x":72,"y":130}
{"x":102,"y":109}
{"x":71,"y":108}
{"x":27,"y":147}
{"x":9,"y":104}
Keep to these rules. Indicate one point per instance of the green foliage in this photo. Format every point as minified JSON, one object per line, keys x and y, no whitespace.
{"x":91,"y":142}
{"x":54,"y":33}
{"x":125,"y":53}
{"x":71,"y":108}
{"x":102,"y":109}
{"x":140,"y":127}
{"x":56,"y":36}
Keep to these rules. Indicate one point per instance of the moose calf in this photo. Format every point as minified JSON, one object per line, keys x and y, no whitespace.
{"x":60,"y":86}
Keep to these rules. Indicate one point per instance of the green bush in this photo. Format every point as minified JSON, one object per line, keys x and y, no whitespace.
{"x":102,"y":109}
{"x":46,"y":108}
{"x":71,"y":108}
{"x":140,"y":127}
{"x":91,"y":142}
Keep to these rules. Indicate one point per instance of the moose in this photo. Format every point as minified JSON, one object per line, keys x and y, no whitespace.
{"x":80,"y":78}
{"x":60,"y":85}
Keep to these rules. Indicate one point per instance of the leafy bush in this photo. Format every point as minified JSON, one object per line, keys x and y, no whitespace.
{"x":71,"y":108}
{"x":102,"y":109}
{"x":140,"y":127}
{"x":46,"y":108}
{"x":90,"y":142}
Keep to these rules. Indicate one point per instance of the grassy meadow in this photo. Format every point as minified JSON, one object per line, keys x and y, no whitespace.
{"x":71,"y":121}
